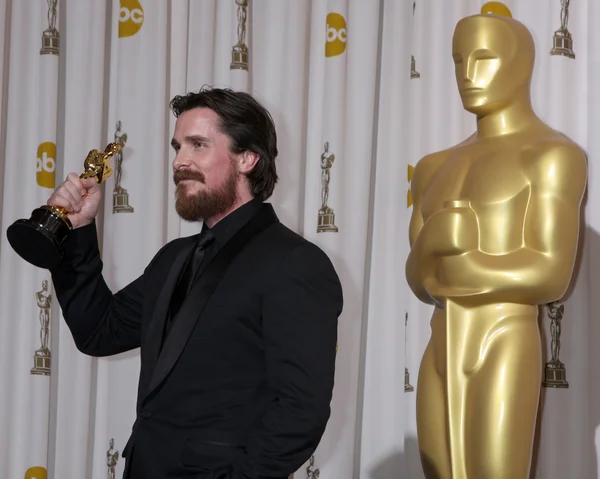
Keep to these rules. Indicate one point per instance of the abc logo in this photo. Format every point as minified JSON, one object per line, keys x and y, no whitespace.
{"x":496,"y":8}
{"x":335,"y":42}
{"x":36,"y":472}
{"x":46,"y":164}
{"x":131,"y":18}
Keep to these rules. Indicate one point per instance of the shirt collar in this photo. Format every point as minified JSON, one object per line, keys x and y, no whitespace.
{"x":225,"y":229}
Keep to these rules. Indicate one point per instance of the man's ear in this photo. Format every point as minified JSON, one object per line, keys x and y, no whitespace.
{"x":247,"y":160}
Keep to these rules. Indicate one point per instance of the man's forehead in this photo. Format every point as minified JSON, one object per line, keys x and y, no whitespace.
{"x":200,"y":121}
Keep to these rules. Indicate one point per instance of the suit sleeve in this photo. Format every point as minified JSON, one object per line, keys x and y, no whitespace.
{"x":101,"y":323}
{"x":300,"y":316}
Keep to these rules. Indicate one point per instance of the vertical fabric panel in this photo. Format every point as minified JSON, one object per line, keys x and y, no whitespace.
{"x":384,"y":409}
{"x":24,"y":375}
{"x":82,"y":42}
{"x":135,"y":195}
{"x":280,"y":72}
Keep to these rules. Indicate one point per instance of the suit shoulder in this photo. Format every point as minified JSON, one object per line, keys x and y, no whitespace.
{"x":290,"y":238}
{"x":287,"y":235}
{"x":294,"y":245}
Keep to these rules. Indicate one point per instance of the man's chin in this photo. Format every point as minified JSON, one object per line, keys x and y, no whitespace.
{"x":186,"y":212}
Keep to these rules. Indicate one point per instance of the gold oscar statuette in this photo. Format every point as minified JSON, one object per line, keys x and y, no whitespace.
{"x":555,"y":373}
{"x":413,"y":63}
{"x":413,"y":68}
{"x":239,"y":52}
{"x":479,"y":256}
{"x":39,"y":239}
{"x":42,"y":357}
{"x":50,"y":36}
{"x":311,"y":471}
{"x":326,"y":219}
{"x":562,"y":42}
{"x":120,"y":195}
{"x":408,"y":388}
{"x":112,"y":458}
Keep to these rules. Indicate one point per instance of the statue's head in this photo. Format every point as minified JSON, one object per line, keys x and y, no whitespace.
{"x":494,"y":57}
{"x":113,"y":148}
{"x":45,"y":284}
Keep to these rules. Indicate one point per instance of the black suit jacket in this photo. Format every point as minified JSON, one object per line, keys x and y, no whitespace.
{"x":241,"y":387}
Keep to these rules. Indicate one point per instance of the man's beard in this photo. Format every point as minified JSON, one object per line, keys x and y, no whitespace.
{"x":203,"y":204}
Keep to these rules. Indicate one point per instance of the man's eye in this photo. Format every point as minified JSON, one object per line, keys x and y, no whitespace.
{"x":200,"y":145}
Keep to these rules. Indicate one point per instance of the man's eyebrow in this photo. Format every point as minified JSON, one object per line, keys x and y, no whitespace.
{"x":197,"y":139}
{"x":191,"y":139}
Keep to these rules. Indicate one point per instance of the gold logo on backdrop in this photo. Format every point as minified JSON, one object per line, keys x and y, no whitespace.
{"x":120,"y":195}
{"x":50,"y":36}
{"x":407,"y":386}
{"x":409,"y":200}
{"x":46,"y":164}
{"x":41,"y":357}
{"x":555,"y":374}
{"x":326,"y":222}
{"x":131,"y":18}
{"x":336,"y":35}
{"x":36,"y":472}
{"x":413,"y":64}
{"x":112,"y":457}
{"x":239,"y":52}
{"x":563,"y":41}
{"x":496,"y":8}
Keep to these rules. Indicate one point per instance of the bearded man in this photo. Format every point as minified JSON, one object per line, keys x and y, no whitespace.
{"x":237,"y":326}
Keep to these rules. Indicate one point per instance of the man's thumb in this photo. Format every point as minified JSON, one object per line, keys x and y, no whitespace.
{"x":89,"y":183}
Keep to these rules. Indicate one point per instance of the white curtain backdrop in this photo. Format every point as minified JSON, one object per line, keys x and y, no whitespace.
{"x":353,"y":114}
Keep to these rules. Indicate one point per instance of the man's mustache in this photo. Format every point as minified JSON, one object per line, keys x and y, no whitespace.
{"x":181,"y":175}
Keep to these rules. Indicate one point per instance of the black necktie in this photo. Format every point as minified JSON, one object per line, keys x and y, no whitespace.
{"x":188,"y":276}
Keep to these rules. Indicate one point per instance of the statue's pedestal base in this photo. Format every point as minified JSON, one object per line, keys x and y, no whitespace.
{"x":121,"y":201}
{"x":555,"y":375}
{"x":41,"y":362}
{"x":563,"y":44}
{"x":413,"y":68}
{"x":407,"y":386}
{"x":326,"y":221}
{"x":239,"y":57}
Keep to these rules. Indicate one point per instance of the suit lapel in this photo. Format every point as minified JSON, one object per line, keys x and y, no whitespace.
{"x":194,"y":304}
{"x":161,"y":309}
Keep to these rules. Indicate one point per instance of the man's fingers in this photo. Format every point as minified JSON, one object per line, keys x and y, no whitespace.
{"x":88,"y":183}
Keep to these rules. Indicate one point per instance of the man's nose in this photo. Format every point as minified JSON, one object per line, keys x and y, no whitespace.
{"x":180,"y":161}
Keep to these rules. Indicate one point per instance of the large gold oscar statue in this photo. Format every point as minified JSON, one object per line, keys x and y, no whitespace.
{"x":493,"y":234}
